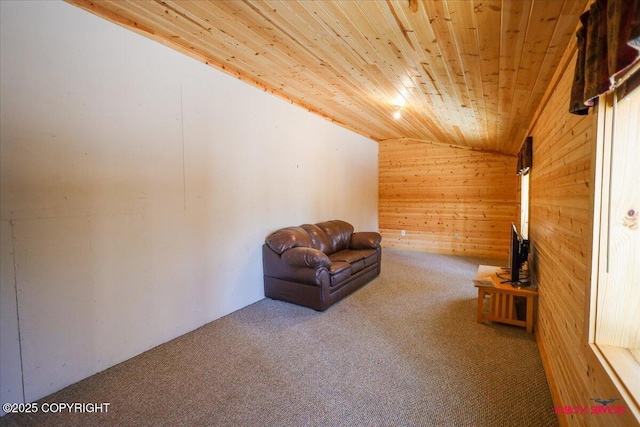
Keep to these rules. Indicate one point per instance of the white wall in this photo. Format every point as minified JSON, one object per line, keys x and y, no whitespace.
{"x":137,"y":186}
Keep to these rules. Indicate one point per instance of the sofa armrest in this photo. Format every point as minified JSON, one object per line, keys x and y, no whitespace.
{"x":365,"y":240}
{"x":306,"y":257}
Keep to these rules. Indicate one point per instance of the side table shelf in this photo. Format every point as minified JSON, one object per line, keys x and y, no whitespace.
{"x":502,"y":307}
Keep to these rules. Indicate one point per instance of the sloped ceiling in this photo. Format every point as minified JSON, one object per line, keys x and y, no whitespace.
{"x":464,"y":72}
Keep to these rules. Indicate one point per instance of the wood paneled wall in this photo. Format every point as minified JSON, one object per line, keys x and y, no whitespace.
{"x":447,"y":199}
{"x":561,"y":238}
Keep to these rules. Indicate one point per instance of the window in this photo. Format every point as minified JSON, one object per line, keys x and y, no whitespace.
{"x":525,"y":162}
{"x":524,"y":205}
{"x":614,"y":332}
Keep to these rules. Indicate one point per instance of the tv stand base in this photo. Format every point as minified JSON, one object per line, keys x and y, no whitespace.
{"x":502,"y":297}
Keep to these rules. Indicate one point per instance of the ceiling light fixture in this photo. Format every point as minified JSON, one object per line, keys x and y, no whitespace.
{"x":396,"y":113}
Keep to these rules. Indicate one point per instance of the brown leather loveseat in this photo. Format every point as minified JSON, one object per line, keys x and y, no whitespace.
{"x":316,"y":265}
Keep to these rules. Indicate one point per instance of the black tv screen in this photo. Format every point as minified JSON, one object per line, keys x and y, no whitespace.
{"x":514,"y":255}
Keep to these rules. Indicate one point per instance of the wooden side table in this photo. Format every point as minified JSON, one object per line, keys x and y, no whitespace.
{"x":502,"y":295}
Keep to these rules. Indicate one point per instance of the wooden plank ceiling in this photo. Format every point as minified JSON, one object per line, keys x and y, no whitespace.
{"x":465,"y":72}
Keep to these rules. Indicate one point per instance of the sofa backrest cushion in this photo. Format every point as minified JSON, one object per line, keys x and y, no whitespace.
{"x":319,"y":238}
{"x":338,"y":233}
{"x":287,"y":238}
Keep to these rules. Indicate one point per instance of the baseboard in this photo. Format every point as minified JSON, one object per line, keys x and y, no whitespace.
{"x":555,"y":394}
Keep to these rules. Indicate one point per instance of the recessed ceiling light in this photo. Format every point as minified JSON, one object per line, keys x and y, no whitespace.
{"x":396,"y":113}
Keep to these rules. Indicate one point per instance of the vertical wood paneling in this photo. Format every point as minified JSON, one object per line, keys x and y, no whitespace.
{"x":447,"y":199}
{"x":560,"y":233}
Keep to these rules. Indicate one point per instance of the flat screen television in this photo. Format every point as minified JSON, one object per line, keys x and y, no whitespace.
{"x":514,"y":255}
{"x":518,"y":254}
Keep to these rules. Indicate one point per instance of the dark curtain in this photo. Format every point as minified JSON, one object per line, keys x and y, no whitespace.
{"x":525,"y":156}
{"x":608,"y":43}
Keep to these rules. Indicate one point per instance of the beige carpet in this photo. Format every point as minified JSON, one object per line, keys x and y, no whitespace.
{"x":405,"y":350}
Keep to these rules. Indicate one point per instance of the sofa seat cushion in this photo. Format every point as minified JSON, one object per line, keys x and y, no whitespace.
{"x":351,"y":256}
{"x":358,"y":259}
{"x":339,"y":271}
{"x":357,"y":266}
{"x":371,"y":258}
